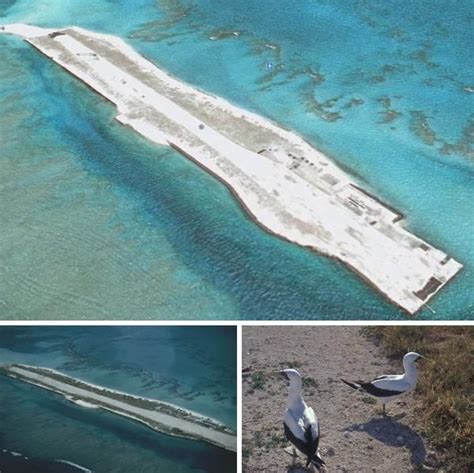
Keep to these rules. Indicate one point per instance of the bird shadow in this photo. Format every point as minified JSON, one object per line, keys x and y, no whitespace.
{"x":298,"y":468}
{"x":394,"y":434}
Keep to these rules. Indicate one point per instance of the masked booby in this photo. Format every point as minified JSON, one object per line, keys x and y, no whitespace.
{"x":387,"y":388}
{"x":300,"y":423}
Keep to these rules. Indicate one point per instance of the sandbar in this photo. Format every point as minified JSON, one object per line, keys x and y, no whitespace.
{"x":161,"y":416}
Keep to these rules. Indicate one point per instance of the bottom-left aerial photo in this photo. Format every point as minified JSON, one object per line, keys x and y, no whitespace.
{"x":118,"y":399}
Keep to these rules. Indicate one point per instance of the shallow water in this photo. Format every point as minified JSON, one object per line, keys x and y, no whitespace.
{"x":100,"y":223}
{"x":193,"y":367}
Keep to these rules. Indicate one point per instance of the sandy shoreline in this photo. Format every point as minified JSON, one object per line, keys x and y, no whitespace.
{"x":163,"y":417}
{"x":288,"y":187}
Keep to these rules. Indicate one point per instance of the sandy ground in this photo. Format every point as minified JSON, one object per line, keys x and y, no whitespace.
{"x":355,"y":436}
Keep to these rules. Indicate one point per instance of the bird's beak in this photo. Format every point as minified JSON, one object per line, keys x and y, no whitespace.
{"x":278,"y":374}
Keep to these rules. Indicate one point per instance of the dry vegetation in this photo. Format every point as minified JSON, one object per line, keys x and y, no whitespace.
{"x":446,"y":387}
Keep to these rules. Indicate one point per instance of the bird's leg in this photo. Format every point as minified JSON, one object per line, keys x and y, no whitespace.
{"x":294,"y":455}
{"x":293,"y":452}
{"x":384,"y":413}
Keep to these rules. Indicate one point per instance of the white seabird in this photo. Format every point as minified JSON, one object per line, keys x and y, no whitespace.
{"x":387,"y":388}
{"x":301,"y":424}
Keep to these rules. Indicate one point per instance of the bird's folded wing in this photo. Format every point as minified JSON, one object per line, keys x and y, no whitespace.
{"x":295,"y":425}
{"x":396,"y":384}
{"x":388,"y":376}
{"x":311,"y":423}
{"x":309,"y":416}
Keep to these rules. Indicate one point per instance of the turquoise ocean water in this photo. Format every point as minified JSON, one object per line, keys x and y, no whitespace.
{"x":96,"y":222}
{"x":193,"y":367}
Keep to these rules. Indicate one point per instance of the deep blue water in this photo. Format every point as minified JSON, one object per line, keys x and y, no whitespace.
{"x":100,"y":223}
{"x":194,"y":367}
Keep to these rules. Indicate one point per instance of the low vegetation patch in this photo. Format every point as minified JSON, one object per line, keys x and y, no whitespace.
{"x":257,"y":380}
{"x":308,"y":381}
{"x":446,"y":385}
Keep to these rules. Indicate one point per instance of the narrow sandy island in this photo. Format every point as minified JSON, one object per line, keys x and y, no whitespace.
{"x":161,"y":416}
{"x":287,"y":186}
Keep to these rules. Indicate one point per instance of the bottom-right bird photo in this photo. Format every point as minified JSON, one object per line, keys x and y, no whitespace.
{"x":352,"y":399}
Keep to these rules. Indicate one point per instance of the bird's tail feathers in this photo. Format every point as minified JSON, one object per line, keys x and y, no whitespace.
{"x":352,"y":384}
{"x":317,"y":462}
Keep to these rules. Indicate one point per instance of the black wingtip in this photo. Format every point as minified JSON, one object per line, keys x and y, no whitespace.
{"x":351,"y":384}
{"x":317,"y":462}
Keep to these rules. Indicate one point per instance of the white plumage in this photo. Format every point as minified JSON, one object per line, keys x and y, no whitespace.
{"x":387,"y":388}
{"x":300,"y":423}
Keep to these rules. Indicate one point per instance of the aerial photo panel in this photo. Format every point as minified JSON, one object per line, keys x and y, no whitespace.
{"x":236,"y":236}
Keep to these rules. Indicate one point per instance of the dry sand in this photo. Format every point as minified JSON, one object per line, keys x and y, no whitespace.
{"x":355,"y":436}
